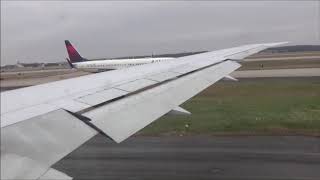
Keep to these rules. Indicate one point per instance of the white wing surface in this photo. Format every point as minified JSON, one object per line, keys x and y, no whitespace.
{"x":42,"y":124}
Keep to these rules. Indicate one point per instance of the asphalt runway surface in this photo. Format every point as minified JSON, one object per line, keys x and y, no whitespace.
{"x":196,"y":157}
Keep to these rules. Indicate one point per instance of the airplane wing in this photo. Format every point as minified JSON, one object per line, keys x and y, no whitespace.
{"x":42,"y":124}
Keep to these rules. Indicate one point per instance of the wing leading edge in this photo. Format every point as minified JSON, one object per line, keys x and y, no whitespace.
{"x":31,"y":143}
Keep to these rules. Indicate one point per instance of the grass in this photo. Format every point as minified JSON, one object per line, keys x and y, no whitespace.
{"x":252,"y":106}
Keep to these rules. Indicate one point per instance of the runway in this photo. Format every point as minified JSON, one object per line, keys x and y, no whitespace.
{"x":199,"y":157}
{"x":11,"y":81}
{"x":300,"y":72}
{"x":22,"y":79}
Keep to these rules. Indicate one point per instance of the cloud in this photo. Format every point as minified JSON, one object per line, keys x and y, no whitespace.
{"x":34,"y":31}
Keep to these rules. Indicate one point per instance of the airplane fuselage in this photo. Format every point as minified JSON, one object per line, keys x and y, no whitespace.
{"x":117,"y":63}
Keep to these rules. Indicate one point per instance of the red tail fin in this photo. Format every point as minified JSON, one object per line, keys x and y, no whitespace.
{"x":74,"y":56}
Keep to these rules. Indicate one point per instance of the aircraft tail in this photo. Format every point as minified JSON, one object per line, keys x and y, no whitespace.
{"x":74,"y":56}
{"x":70,"y":63}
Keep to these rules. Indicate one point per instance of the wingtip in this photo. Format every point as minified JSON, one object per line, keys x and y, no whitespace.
{"x":277,"y":44}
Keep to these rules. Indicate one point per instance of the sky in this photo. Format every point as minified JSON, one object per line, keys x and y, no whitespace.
{"x":34,"y":31}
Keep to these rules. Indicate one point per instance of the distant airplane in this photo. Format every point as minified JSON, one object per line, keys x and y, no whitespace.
{"x":42,"y":124}
{"x":78,"y":62}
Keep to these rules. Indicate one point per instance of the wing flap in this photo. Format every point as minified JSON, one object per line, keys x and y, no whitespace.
{"x":20,"y":167}
{"x":53,"y":174}
{"x":26,"y":113}
{"x":143,"y":108}
{"x":38,"y":143}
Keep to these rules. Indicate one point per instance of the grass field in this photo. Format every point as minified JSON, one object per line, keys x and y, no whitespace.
{"x":251,"y":106}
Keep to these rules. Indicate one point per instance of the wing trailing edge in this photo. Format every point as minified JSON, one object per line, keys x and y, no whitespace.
{"x":149,"y":105}
{"x":45,"y":140}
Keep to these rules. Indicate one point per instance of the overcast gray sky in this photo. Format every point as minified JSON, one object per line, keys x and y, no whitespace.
{"x":35,"y":31}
